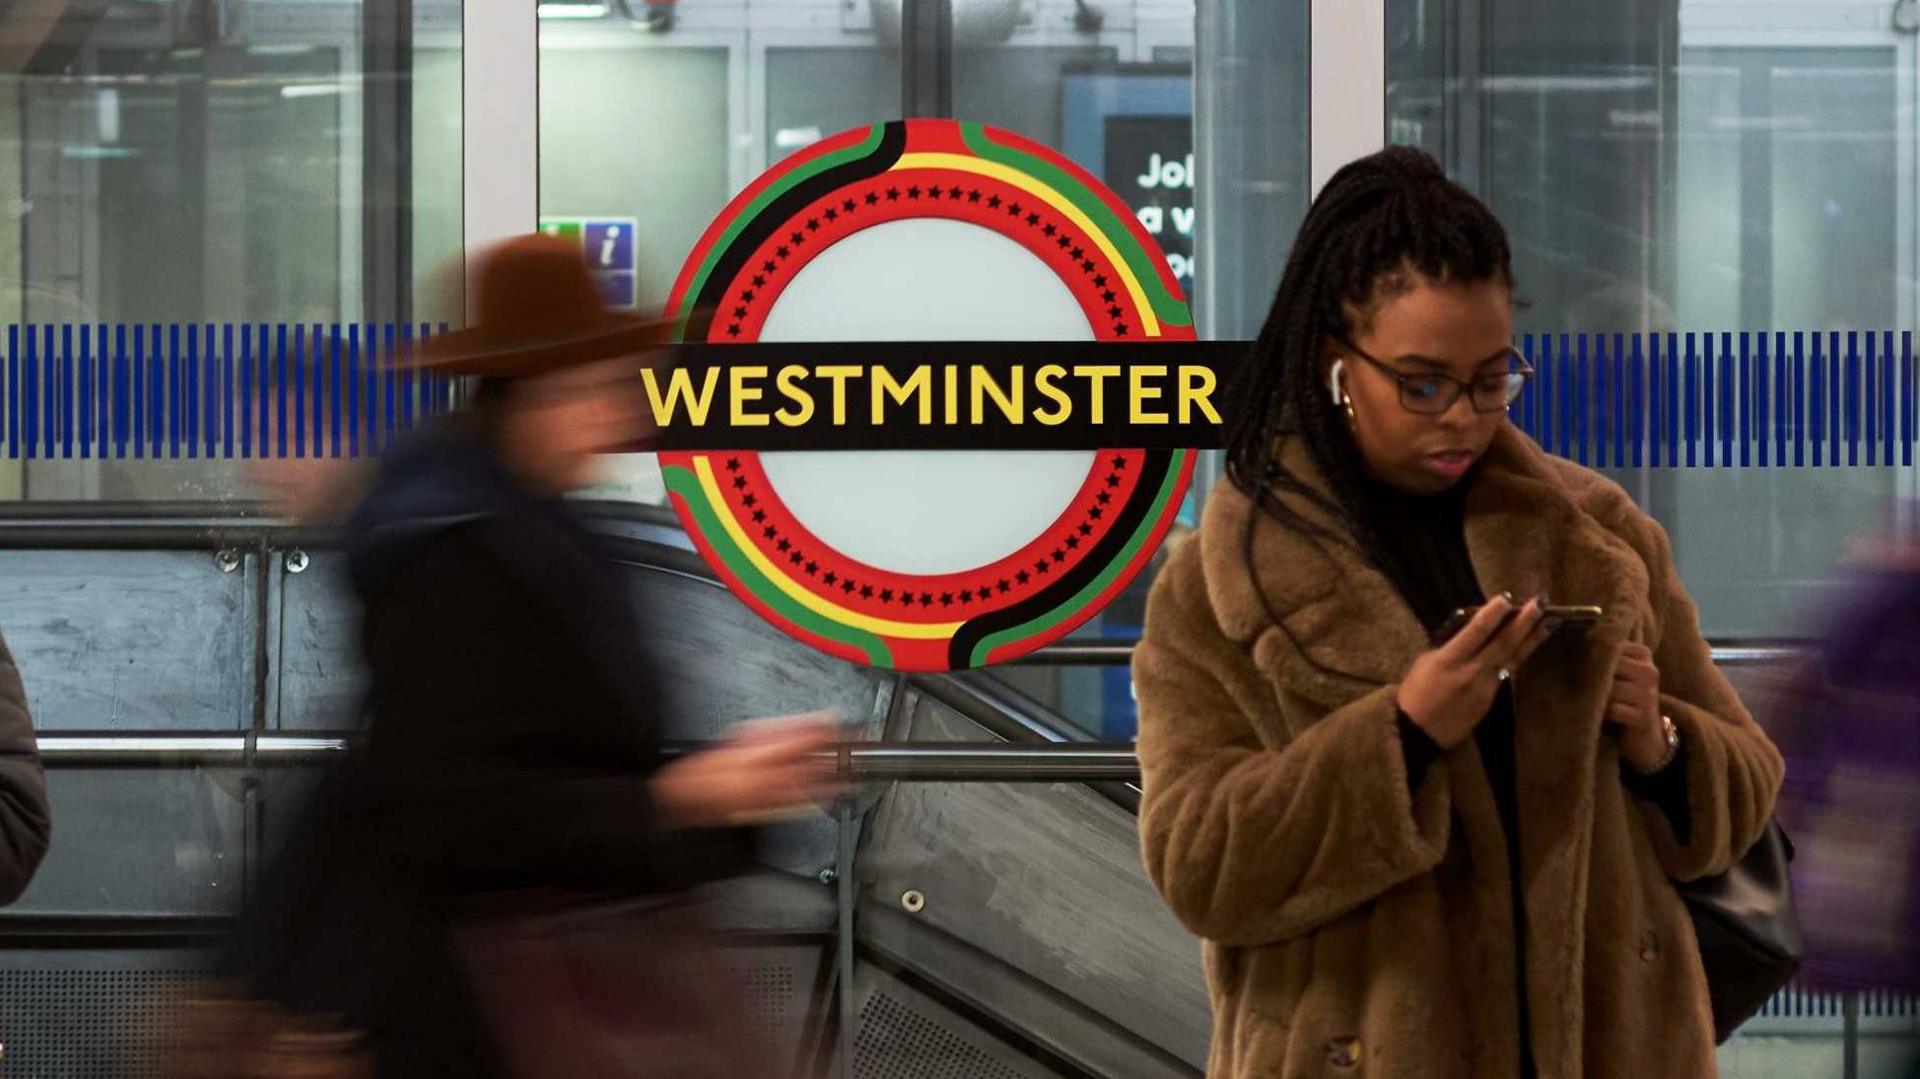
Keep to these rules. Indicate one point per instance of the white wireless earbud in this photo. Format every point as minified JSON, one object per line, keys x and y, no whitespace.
{"x":1334,"y":386}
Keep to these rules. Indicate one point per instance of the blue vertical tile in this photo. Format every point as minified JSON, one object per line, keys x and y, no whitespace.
{"x":1699,"y":398}
{"x":1836,"y":397}
{"x":1637,"y":371}
{"x":1817,"y":399}
{"x":1742,"y":388}
{"x":1906,"y":398}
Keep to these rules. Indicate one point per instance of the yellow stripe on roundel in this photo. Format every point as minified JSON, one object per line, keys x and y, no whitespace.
{"x":964,"y":163}
{"x":918,"y":631}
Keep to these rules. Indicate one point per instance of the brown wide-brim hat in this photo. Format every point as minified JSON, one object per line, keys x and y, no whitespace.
{"x":538,"y":313}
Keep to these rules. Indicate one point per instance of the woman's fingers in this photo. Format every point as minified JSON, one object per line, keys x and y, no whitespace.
{"x":1479,"y":631}
{"x":1509,"y":648}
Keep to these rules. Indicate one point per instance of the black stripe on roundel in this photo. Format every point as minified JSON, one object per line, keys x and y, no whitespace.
{"x":1126,"y":519}
{"x":893,"y":141}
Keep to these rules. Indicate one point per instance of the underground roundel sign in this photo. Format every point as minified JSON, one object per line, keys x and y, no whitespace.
{"x":928,"y":559}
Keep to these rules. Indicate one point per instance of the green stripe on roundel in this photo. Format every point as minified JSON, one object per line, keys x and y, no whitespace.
{"x":682,"y":482}
{"x":1166,"y":306}
{"x":1096,"y":586}
{"x":766,"y":198}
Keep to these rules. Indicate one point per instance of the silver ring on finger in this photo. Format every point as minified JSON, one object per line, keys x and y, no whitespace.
{"x":1504,"y":675}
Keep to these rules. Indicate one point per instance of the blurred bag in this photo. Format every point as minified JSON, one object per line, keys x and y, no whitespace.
{"x":607,"y":991}
{"x":1748,"y":930}
{"x":220,"y":1033}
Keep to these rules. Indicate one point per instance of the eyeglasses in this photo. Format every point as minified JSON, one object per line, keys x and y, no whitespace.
{"x":1432,"y":394}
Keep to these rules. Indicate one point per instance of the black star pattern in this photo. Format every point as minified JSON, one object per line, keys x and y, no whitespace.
{"x":758,"y":280}
{"x":926,"y":599}
{"x":847,"y":206}
{"x":1034,"y":219}
{"x":946,"y":599}
{"x":795,"y":557}
{"x":1079,"y":253}
{"x":1073,"y":542}
{"x":933,"y":192}
{"x":750,"y":501}
{"x":913,"y":192}
{"x":993,"y":202}
{"x":1049,"y":229}
{"x":770,"y":266}
{"x":886,"y":595}
{"x":780,"y":252}
{"x":1064,"y":243}
{"x":1119,"y":329}
{"x":760,"y":517}
{"x":739,"y":312}
{"x":832,"y":214}
{"x":733,"y":464}
{"x":966,"y":595}
{"x":769,"y":531}
{"x":1119,"y":463}
{"x":1105,"y":498}
{"x":1041,"y":566}
{"x":1113,"y":481}
{"x":1107,"y":295}
{"x":866,"y":591}
{"x":973,"y":196}
{"x":1086,"y":530}
{"x":847,"y":587}
{"x":1004,"y":586}
{"x":1096,"y":512}
{"x":1023,"y":577}
{"x":796,"y":238}
{"x":1087,"y":266}
{"x":893,"y":194}
{"x":733,"y":330}
{"x":813,"y":223}
{"x":831,"y":578}
{"x":785,"y":545}
{"x":746,"y":296}
{"x":1016,"y":209}
{"x":1059,"y":556}
{"x":1100,"y":282}
{"x":1115,"y":311}
{"x":812,"y":568}
{"x":954,"y":192}
{"x":739,"y":482}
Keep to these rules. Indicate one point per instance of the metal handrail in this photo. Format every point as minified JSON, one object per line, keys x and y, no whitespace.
{"x":948,"y":762}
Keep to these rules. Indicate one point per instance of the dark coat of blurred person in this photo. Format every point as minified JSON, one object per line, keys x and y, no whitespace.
{"x":513,"y":723}
{"x":25,"y":823}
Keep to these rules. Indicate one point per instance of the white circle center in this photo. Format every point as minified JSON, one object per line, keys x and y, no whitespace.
{"x":929,"y":512}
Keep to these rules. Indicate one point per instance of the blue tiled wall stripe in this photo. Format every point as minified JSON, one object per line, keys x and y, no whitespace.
{"x":170,"y":391}
{"x":1799,"y":399}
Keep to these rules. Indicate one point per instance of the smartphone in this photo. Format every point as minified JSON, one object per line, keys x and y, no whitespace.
{"x":1572,"y":620}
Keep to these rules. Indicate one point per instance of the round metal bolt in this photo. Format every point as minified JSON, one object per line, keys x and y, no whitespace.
{"x":227,"y":559}
{"x":296,"y":561}
{"x":828,"y":876}
{"x":912,"y":901}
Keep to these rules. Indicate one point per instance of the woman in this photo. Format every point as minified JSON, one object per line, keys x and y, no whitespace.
{"x":512,"y":741}
{"x":1410,"y":860}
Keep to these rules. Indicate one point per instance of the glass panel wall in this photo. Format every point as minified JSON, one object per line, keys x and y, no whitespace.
{"x":250,"y":162}
{"x":1700,"y":168}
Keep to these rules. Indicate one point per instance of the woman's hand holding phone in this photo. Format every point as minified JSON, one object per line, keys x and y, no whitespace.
{"x":1448,"y":689}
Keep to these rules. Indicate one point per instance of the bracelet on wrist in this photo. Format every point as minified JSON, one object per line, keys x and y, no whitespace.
{"x":1671,"y":733}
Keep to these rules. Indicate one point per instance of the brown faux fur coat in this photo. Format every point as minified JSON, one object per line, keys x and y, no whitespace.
{"x":1352,"y":930}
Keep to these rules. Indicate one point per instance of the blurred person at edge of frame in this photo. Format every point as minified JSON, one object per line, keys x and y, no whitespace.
{"x":1849,"y":726}
{"x":512,"y":728}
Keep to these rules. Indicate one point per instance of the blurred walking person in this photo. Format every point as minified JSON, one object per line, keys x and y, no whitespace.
{"x":512,"y":722}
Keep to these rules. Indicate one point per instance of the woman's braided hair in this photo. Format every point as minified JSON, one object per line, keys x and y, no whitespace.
{"x":1383,"y":223}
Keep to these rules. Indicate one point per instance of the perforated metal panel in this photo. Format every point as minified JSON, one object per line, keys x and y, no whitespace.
{"x":67,"y":1023}
{"x":768,"y":989}
{"x":896,"y":1041}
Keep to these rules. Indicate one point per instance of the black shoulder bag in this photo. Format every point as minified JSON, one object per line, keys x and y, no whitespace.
{"x":1748,"y":931}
